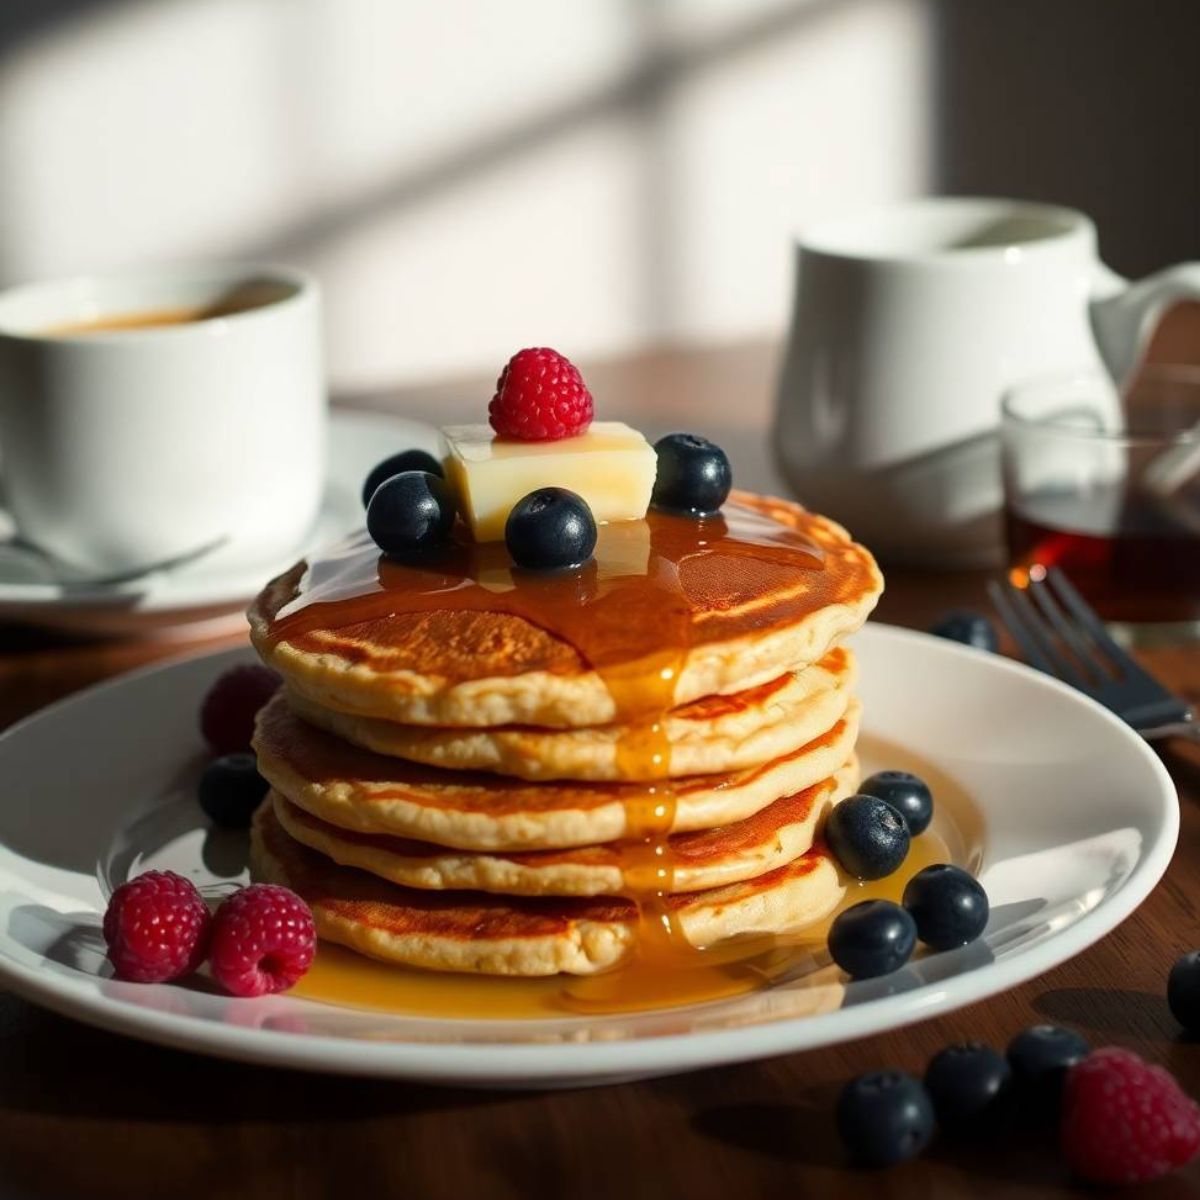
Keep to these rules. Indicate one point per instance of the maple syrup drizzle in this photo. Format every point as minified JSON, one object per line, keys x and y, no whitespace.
{"x":629,"y":616}
{"x":344,"y":977}
{"x":625,"y":612}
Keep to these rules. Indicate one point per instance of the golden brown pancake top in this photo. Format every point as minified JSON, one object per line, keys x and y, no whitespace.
{"x":762,"y":565}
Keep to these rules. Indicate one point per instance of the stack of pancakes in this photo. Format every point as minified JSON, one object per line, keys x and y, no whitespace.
{"x":452,"y":789}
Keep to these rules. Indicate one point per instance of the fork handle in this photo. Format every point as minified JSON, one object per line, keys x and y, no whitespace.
{"x":1176,"y":729}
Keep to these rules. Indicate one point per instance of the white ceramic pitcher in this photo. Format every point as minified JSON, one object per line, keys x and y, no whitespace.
{"x":909,"y":324}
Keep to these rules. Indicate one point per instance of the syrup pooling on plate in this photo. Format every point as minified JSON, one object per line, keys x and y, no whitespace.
{"x":343,"y":977}
{"x":627,"y":613}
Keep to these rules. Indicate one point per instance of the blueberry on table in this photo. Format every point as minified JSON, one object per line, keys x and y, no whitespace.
{"x":970,"y":628}
{"x":872,"y":938}
{"x":411,"y":513}
{"x":231,"y":789}
{"x":694,"y":476}
{"x":867,"y":836}
{"x":1040,"y":1057}
{"x":908,"y":794}
{"x":948,"y":904}
{"x":884,"y":1118}
{"x":550,"y":528}
{"x":397,"y":464}
{"x":966,"y":1082}
{"x":1183,"y":991}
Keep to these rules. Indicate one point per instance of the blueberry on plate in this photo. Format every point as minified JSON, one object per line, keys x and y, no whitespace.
{"x":867,"y":836}
{"x":908,"y":794}
{"x":1040,"y":1057}
{"x":970,"y":628}
{"x":231,"y":789}
{"x":966,"y":1083}
{"x":694,"y":476}
{"x":549,"y":528}
{"x":1183,"y":991}
{"x":410,"y":513}
{"x":872,"y":938}
{"x":948,"y":904}
{"x":884,"y":1118}
{"x":397,"y":464}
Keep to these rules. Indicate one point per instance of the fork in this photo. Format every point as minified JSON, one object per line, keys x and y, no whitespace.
{"x":1058,"y":633}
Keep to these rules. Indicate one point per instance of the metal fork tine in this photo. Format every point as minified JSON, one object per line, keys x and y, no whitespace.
{"x":1028,"y":631}
{"x":1008,"y":617}
{"x":1050,"y":608}
{"x":1049,"y":617}
{"x":1064,"y":668}
{"x":1079,"y":608}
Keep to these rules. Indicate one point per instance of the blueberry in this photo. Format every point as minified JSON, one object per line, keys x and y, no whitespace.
{"x":871,"y":938}
{"x":908,"y":794}
{"x":694,"y":476}
{"x":970,"y":628}
{"x":231,"y":789}
{"x":397,"y":464}
{"x":551,"y":527}
{"x":949,"y":906}
{"x":868,"y":837}
{"x":410,"y":513}
{"x":1183,"y":991}
{"x":966,"y":1082}
{"x":884,"y":1118}
{"x":1040,"y":1057}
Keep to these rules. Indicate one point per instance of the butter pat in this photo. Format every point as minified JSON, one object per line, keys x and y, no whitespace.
{"x":611,"y":466}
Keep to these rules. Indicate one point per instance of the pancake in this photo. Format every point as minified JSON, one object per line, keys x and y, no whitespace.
{"x":357,"y":790}
{"x":494,"y":935}
{"x":710,"y":735}
{"x":710,"y":858}
{"x":750,"y":617}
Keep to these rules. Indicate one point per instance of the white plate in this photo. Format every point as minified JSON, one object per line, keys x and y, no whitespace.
{"x":203,"y":593}
{"x":1069,"y":816}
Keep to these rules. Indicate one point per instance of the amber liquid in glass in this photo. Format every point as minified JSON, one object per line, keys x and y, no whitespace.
{"x":1134,"y":556}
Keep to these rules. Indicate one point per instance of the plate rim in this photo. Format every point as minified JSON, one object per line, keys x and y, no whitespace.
{"x":533,"y":1064}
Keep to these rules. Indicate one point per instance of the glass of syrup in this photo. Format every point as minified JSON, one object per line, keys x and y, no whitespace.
{"x":1106,"y":486}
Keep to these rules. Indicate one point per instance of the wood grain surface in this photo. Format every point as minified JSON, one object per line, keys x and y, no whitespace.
{"x":86,"y":1113}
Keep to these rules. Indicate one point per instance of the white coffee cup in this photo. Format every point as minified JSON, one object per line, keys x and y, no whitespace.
{"x":125,"y":447}
{"x":909,"y":325}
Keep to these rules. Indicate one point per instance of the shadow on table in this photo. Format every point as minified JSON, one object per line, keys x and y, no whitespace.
{"x":1029,"y":1162}
{"x":800,"y":1132}
{"x":1123,"y":1011}
{"x":56,"y":1066}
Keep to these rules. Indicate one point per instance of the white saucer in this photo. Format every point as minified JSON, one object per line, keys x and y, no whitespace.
{"x":209,"y":594}
{"x":1068,"y":816}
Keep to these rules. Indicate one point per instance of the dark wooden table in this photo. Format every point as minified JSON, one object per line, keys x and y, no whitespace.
{"x":86,"y":1113}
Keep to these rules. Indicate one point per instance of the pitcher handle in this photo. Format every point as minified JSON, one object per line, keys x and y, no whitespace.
{"x":1124,"y":315}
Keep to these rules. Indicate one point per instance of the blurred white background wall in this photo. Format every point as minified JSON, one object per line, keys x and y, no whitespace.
{"x":465,"y":177}
{"x":470,"y":176}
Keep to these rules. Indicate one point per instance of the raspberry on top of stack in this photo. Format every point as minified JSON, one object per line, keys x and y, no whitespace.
{"x":568,"y":703}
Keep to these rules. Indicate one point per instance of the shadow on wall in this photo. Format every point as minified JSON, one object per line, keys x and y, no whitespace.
{"x":1086,"y":104}
{"x":21,"y":20}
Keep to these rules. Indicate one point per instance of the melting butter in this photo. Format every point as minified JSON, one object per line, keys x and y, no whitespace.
{"x":612,"y":467}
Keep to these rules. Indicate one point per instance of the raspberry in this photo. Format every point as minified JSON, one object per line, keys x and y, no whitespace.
{"x":156,"y":927}
{"x":263,"y":940}
{"x":1125,"y":1121}
{"x":228,"y":712}
{"x":540,"y":397}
